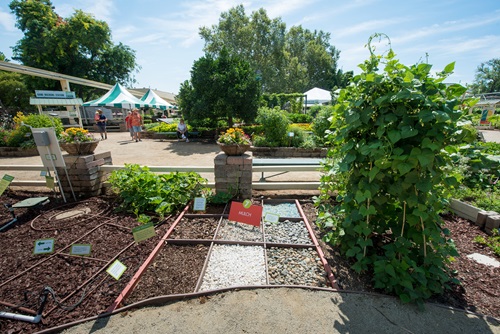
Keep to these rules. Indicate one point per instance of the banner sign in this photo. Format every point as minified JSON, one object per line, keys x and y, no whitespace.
{"x":243,"y":213}
{"x":54,"y":94}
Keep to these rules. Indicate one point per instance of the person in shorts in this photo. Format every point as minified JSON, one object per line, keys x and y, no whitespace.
{"x":182,"y":131}
{"x":101,"y":120}
{"x":136,"y":122}
{"x":128,"y":122}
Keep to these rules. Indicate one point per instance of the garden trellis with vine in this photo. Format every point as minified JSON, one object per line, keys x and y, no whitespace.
{"x":387,"y":164}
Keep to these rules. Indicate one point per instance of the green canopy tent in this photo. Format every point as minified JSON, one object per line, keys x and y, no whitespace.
{"x":152,"y":100}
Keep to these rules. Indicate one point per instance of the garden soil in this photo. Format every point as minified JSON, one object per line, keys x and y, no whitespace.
{"x":277,"y":310}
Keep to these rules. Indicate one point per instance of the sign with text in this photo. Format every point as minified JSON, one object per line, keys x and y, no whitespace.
{"x":81,"y":249}
{"x":44,"y":246}
{"x":200,"y":204}
{"x":54,"y":94}
{"x":247,"y":215}
{"x":5,"y":182}
{"x":143,"y":232}
{"x":116,"y":269}
{"x":271,"y":218}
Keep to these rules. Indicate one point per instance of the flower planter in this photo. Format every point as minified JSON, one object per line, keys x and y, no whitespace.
{"x":79,"y":148}
{"x":234,"y":149}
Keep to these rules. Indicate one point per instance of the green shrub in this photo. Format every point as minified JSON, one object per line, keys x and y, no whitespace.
{"x":299,"y":118}
{"x":298,"y":137}
{"x":142,"y":191}
{"x":275,"y":126}
{"x":4,"y":136}
{"x":321,"y":124}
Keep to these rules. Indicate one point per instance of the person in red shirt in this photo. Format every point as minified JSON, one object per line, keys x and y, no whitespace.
{"x":136,"y":122}
{"x":128,"y":122}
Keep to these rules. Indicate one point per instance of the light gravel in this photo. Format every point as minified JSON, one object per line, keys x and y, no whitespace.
{"x":285,"y":210}
{"x":234,"y":265}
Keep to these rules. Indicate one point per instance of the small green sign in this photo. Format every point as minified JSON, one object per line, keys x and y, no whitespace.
{"x":247,"y":203}
{"x":116,"y":269}
{"x":5,"y":182}
{"x":143,"y":232}
{"x":200,"y":204}
{"x":49,"y":181}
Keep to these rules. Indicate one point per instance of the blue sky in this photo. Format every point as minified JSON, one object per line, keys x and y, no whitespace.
{"x":165,"y":33}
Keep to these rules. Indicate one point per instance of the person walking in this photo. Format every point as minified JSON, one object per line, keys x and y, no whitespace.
{"x":136,"y":122}
{"x":128,"y":123}
{"x":182,"y":131}
{"x":101,"y":124}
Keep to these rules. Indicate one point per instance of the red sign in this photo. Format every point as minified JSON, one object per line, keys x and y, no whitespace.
{"x":239,"y":213}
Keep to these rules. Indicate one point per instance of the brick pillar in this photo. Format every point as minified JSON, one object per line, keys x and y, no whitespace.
{"x":233,"y":175}
{"x":84,"y":173}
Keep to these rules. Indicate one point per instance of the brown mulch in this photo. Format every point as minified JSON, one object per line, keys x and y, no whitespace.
{"x":82,"y":282}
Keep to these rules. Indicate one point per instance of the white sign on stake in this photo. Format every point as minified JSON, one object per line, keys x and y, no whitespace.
{"x":271,"y":218}
{"x":80,"y":249}
{"x":200,"y":204}
{"x":116,"y":269}
{"x":44,"y":246}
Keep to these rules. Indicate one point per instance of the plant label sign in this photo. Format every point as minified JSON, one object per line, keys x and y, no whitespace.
{"x":5,"y":182}
{"x":116,"y":269}
{"x":80,"y":249}
{"x":143,"y":232}
{"x":271,"y":218}
{"x":200,"y":204}
{"x":44,"y":246}
{"x":244,"y":213}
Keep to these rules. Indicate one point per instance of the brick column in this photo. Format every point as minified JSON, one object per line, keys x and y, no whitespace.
{"x":233,"y":175}
{"x":84,"y":173}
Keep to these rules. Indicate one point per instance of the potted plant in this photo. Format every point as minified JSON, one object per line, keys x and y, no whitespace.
{"x":78,"y":141}
{"x":234,"y":141}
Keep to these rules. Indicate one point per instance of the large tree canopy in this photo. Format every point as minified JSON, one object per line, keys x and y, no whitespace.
{"x":220,"y":88}
{"x":286,"y":62}
{"x":487,"y":78}
{"x":80,"y":46}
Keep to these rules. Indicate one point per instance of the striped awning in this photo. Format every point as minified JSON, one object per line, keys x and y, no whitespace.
{"x":55,"y":102}
{"x":152,"y":100}
{"x":117,"y":97}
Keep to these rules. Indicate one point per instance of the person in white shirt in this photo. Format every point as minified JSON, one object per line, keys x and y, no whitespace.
{"x":182,"y":131}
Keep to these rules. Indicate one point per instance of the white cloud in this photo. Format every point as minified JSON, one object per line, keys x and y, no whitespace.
{"x":7,"y":21}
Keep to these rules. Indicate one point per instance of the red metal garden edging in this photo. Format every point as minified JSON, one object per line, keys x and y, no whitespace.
{"x":328,"y":270}
{"x":135,"y":279}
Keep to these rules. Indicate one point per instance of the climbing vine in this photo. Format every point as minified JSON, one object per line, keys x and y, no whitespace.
{"x":389,"y":131}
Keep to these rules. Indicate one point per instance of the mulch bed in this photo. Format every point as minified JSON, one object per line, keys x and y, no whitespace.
{"x":82,"y":282}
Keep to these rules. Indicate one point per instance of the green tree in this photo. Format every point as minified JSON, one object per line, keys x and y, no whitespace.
{"x":80,"y":46}
{"x":220,"y":88}
{"x":487,"y":78}
{"x":14,"y":95}
{"x":289,"y":62}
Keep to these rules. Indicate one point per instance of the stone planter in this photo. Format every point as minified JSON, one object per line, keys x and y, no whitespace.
{"x":80,"y":148}
{"x":232,"y":150}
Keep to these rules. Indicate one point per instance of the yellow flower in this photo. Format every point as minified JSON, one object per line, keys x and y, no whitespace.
{"x":234,"y":136}
{"x":76,"y":135}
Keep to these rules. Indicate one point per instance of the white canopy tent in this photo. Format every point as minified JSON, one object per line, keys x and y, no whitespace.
{"x":317,"y":96}
{"x":118,"y":97}
{"x":152,"y":100}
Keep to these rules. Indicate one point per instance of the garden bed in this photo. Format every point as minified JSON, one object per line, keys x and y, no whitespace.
{"x":177,"y":267}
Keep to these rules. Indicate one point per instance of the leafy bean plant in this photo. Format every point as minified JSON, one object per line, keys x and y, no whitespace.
{"x":142,"y":191}
{"x":387,"y":170}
